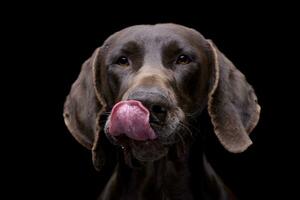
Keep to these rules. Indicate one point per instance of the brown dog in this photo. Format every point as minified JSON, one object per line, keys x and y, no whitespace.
{"x":144,"y":89}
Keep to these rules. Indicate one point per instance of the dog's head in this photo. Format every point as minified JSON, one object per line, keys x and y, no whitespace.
{"x":145,"y":83}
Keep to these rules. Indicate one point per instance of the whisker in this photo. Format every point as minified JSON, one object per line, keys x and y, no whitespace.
{"x":185,"y":127}
{"x":191,"y":126}
{"x":180,"y":138}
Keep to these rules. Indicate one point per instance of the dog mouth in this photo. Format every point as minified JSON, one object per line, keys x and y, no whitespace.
{"x":130,"y":126}
{"x":131,"y":118}
{"x":144,"y":151}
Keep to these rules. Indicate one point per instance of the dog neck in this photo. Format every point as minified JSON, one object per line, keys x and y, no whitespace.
{"x":166,"y":179}
{"x":162,"y":179}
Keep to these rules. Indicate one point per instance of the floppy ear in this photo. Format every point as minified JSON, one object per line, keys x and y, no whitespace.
{"x":232,"y":104}
{"x":83,"y":107}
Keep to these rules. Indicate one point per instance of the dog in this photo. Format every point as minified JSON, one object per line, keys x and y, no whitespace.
{"x":143,"y":91}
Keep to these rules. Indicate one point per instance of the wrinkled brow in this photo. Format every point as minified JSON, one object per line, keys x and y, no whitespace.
{"x":130,"y":48}
{"x":174,"y":48}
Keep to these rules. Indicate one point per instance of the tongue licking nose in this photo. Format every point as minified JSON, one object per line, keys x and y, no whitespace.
{"x":132,"y":119}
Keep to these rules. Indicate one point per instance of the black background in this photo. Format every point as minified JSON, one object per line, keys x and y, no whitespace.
{"x":49,"y":42}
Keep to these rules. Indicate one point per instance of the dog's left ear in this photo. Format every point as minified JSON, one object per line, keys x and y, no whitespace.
{"x":232,"y":103}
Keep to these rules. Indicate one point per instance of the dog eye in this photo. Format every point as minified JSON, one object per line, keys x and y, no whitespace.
{"x":183,"y":60}
{"x":123,"y":61}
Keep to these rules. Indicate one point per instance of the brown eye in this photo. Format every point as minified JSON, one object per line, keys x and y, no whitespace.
{"x":183,"y":60}
{"x":123,"y":61}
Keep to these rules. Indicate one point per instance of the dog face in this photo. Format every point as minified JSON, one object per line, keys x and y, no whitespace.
{"x":168,"y":72}
{"x":151,"y":79}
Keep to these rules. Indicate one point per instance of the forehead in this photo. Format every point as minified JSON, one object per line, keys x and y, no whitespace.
{"x":156,"y":35}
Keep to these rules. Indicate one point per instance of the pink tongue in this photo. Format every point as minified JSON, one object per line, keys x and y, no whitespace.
{"x":132,"y":119}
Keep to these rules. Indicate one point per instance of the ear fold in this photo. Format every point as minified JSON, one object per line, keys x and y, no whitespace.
{"x":83,"y":107}
{"x":232,"y":104}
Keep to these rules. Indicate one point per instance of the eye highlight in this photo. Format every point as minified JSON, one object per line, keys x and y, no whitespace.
{"x":123,"y":61}
{"x":183,"y":60}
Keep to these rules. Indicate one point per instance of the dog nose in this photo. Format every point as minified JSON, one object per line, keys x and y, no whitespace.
{"x":155,"y":102}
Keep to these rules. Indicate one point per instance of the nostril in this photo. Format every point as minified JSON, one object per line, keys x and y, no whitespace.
{"x":158,"y":113}
{"x":158,"y":109}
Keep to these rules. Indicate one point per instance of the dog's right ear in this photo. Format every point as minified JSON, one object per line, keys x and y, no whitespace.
{"x":83,"y":108}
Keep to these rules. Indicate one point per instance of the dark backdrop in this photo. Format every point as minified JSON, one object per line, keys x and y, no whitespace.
{"x":51,"y":42}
